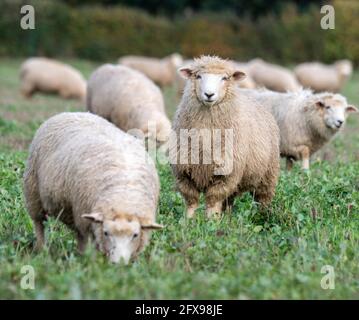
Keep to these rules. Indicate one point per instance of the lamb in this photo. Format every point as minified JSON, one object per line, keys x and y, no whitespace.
{"x":160,"y":71}
{"x":51,"y":76}
{"x":96,"y":179}
{"x":128,"y":99}
{"x":211,"y":101}
{"x":272,"y":76}
{"x":306,"y":121}
{"x":320,"y":77}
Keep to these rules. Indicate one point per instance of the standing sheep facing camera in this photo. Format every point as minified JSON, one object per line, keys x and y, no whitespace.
{"x":96,"y":179}
{"x":211,"y":101}
{"x":160,"y":71}
{"x":306,"y":121}
{"x":272,"y":76}
{"x":320,"y":77}
{"x":51,"y":76}
{"x":128,"y":99}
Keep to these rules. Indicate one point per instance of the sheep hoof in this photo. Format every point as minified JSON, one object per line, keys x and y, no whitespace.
{"x":190,"y":212}
{"x":212,"y":213}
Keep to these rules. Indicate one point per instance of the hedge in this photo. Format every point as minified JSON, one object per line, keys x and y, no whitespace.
{"x":105,"y":33}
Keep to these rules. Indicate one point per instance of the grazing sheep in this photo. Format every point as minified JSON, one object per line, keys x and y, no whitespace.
{"x":306,"y":121}
{"x":47,"y":75}
{"x":272,"y":76}
{"x":160,"y":71}
{"x":211,"y":101}
{"x":128,"y":99}
{"x":94,"y":178}
{"x":320,"y":77}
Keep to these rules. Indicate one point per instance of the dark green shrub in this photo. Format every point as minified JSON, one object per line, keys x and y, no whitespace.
{"x":106,"y":33}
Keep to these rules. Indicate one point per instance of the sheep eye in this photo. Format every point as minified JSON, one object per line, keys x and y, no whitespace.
{"x":105,"y":233}
{"x":135,"y":235}
{"x":198,"y":76}
{"x":327,"y":107}
{"x":225,"y":78}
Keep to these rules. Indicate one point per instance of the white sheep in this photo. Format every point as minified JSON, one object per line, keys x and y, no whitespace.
{"x":249,"y":160}
{"x":272,"y":76}
{"x":128,"y":99}
{"x":160,"y":71}
{"x":96,"y":179}
{"x":306,"y":121}
{"x":320,"y":77}
{"x":51,"y":76}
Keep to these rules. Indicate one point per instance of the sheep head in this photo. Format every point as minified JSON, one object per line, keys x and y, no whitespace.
{"x":212,"y":78}
{"x":333,"y":109}
{"x":344,"y":67}
{"x":119,"y":236}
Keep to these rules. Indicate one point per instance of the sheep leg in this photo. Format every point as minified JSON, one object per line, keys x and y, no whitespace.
{"x":190,"y":194}
{"x":289,"y":164}
{"x":191,"y":208}
{"x":218,"y":192}
{"x":265,"y":191}
{"x":40,"y":234}
{"x":305,"y":155}
{"x":35,"y":209}
{"x":263,"y":198}
{"x":81,"y":242}
{"x":214,"y":210}
{"x":65,"y":94}
{"x":27,"y":90}
{"x":228,"y":203}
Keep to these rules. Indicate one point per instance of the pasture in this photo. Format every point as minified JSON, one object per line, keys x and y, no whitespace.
{"x":313,"y":222}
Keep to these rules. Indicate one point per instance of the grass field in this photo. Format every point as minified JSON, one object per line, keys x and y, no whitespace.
{"x":314,"y":222}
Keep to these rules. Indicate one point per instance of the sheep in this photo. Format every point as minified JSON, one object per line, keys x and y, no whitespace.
{"x":306,"y":121}
{"x":51,"y":76}
{"x":272,"y":76}
{"x":320,"y":77}
{"x":128,"y":99}
{"x":94,"y":178}
{"x":211,"y":102}
{"x":160,"y":71}
{"x":247,"y":82}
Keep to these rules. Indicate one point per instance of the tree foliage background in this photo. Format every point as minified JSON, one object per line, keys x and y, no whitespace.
{"x":279,"y":31}
{"x":253,"y":8}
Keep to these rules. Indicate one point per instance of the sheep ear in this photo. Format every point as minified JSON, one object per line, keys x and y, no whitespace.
{"x":94,"y":217}
{"x":351,"y":108}
{"x":319,"y":104}
{"x":152,"y":226}
{"x":238,"y":75}
{"x":185,"y":72}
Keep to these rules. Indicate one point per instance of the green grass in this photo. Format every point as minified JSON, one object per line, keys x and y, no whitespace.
{"x":314,"y":221}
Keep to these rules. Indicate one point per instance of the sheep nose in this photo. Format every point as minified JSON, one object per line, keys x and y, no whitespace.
{"x":339,"y":123}
{"x":209,"y":95}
